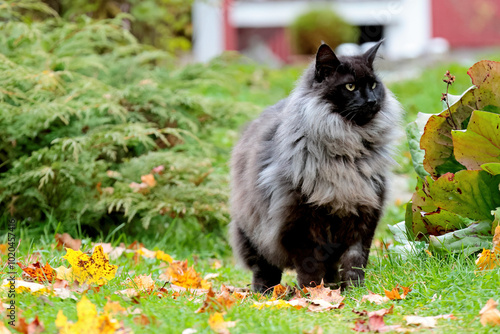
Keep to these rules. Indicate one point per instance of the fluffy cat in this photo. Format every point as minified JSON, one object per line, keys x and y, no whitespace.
{"x":309,"y":176}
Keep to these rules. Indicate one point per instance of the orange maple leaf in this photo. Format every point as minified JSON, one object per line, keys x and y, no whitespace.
{"x":217,"y":302}
{"x":394,"y":293}
{"x":39,"y":273}
{"x":179,"y":274}
{"x":490,"y":314}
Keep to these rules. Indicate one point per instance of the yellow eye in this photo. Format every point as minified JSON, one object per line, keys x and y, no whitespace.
{"x":374,"y":85}
{"x":350,"y":87}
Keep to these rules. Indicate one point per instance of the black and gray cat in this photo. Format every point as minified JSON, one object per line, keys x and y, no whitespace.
{"x":309,"y":176}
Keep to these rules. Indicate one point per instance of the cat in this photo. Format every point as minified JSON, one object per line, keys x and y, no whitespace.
{"x":310,"y":175}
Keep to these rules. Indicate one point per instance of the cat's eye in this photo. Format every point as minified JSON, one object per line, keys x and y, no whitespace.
{"x":350,"y":86}
{"x":374,"y":85}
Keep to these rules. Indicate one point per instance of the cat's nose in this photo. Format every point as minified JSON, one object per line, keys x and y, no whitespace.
{"x":372,"y":102}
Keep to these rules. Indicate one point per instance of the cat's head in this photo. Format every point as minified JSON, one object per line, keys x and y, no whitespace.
{"x":349,"y":83}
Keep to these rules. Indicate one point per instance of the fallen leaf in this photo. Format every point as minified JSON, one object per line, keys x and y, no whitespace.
{"x":114,"y":308}
{"x":144,"y":283}
{"x":88,"y":320}
{"x":373,"y":321}
{"x":113,"y":252}
{"x":149,"y":179}
{"x":39,"y":273}
{"x":91,"y":269}
{"x":278,"y":304}
{"x":211,"y":276}
{"x":217,"y":302}
{"x":323,"y":293}
{"x":189,"y":331}
{"x":216,"y":264}
{"x":374,"y":298}
{"x":316,"y":330}
{"x":394,"y":293}
{"x":490,"y":314}
{"x":179,"y":274}
{"x":158,"y":169}
{"x":218,"y":325}
{"x":65,"y":240}
{"x":162,"y":256}
{"x":427,"y":322}
{"x":280,"y":291}
{"x":3,"y":249}
{"x":63,"y":273}
{"x":34,"y":327}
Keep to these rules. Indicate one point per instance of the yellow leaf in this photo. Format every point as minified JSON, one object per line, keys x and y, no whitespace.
{"x":95,"y":269}
{"x":64,"y":273}
{"x":162,"y":256}
{"x":88,"y":320}
{"x":278,"y":304}
{"x":218,"y":325}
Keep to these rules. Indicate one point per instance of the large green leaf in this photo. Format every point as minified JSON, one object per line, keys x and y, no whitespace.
{"x":437,"y":140}
{"x":452,"y":202}
{"x":480,"y":143}
{"x":470,"y":239}
{"x":414,"y":132}
{"x":472,"y":194}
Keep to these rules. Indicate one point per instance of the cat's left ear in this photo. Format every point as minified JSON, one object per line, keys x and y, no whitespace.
{"x":372,"y":52}
{"x":326,"y":62}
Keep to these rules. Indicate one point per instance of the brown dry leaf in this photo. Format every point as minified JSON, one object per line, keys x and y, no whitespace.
{"x":490,"y":314}
{"x":320,"y":305}
{"x":280,"y":291}
{"x":321,"y":293}
{"x":218,"y":325}
{"x":38,"y":273}
{"x":34,"y":327}
{"x":217,"y":302}
{"x":394,"y":293}
{"x":65,"y":240}
{"x":179,"y":274}
{"x":374,"y":298}
{"x":216,"y":264}
{"x":375,"y":321}
{"x":143,"y":320}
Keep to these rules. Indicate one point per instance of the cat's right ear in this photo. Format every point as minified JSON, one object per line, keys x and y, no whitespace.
{"x":326,"y":62}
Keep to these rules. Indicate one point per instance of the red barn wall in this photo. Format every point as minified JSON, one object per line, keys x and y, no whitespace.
{"x":467,"y":23}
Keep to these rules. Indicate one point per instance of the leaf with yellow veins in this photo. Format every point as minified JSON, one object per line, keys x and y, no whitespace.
{"x":88,"y":320}
{"x":91,"y":269}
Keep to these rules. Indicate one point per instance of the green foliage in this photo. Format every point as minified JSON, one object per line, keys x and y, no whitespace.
{"x":87,"y":111}
{"x":165,"y":24}
{"x":459,"y":187}
{"x":318,"y":25}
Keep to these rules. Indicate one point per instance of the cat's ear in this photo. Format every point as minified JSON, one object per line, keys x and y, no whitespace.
{"x":370,"y":54}
{"x":326,"y":62}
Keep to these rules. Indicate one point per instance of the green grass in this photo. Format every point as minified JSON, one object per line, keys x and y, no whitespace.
{"x":441,"y":285}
